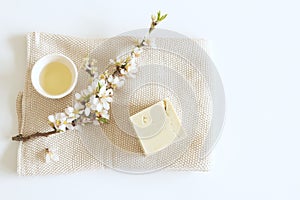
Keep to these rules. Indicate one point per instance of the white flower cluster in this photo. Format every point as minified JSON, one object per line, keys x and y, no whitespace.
{"x":93,"y":103}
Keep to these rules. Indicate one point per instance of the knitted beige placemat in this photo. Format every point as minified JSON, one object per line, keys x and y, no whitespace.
{"x":33,"y":110}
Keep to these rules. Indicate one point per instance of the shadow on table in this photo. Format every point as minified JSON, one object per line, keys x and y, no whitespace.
{"x":11,"y":82}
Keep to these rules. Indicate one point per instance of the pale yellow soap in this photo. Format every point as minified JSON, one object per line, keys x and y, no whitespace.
{"x":157,"y":127}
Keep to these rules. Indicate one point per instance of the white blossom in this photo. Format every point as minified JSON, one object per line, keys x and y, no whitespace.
{"x":102,"y":83}
{"x":78,"y":96}
{"x":116,"y":82}
{"x":61,"y":122}
{"x":86,"y":92}
{"x":123,"y":72}
{"x":104,"y":114}
{"x":137,"y":52}
{"x":96,"y":104}
{"x":105,"y":97}
{"x":132,"y":68}
{"x":74,"y":113}
{"x":51,"y":155}
{"x":87,"y":109}
{"x":89,"y":65}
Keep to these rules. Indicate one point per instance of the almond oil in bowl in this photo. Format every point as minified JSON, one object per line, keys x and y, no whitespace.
{"x":56,"y":78}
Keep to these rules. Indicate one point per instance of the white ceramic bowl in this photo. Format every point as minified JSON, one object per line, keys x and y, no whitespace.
{"x":42,"y":63}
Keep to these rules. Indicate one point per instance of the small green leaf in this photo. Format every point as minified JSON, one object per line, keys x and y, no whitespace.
{"x":98,"y":88}
{"x":103,"y":120}
{"x":163,"y":17}
{"x":158,"y":15}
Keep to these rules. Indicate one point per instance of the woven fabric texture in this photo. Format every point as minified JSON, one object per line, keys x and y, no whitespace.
{"x":33,"y":110}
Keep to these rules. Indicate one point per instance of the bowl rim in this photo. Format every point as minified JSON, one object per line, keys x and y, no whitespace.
{"x":41,"y":64}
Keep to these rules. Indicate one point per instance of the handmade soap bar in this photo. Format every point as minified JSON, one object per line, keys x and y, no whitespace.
{"x":157,"y":126}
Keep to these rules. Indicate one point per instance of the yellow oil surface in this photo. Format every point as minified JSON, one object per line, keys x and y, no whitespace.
{"x":56,"y":78}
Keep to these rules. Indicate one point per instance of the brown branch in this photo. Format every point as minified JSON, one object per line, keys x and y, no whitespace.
{"x":23,"y":138}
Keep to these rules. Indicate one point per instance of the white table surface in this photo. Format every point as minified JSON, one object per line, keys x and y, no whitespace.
{"x":256,"y":48}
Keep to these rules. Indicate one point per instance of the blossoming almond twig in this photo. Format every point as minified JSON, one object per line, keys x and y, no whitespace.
{"x":92,"y":104}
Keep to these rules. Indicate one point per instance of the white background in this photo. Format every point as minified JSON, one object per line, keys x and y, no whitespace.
{"x":256,"y":48}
